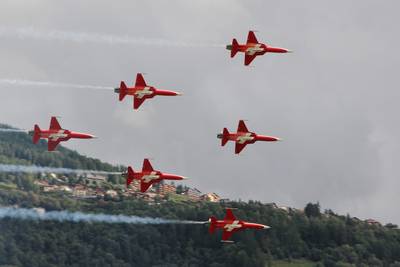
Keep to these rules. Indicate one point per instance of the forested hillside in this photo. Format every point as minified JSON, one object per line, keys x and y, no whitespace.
{"x":296,"y":238}
{"x":17,"y":148}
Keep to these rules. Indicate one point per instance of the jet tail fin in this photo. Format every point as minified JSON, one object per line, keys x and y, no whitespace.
{"x":234,"y":47}
{"x":130,"y":177}
{"x":224,"y":138}
{"x":213,"y":223}
{"x":36,"y":134}
{"x":122,"y":91}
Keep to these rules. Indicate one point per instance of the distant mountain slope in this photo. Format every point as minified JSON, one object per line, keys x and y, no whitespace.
{"x":297,"y":238}
{"x":17,"y":148}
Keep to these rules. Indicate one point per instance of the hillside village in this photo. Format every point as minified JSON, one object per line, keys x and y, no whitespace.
{"x":90,"y":185}
{"x":96,"y":186}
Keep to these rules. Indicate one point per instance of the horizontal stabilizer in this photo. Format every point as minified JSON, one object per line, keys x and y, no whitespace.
{"x":130,"y":177}
{"x":225,"y":135}
{"x":213,"y":222}
{"x":234,"y":47}
{"x":123,"y":90}
{"x":36,"y":134}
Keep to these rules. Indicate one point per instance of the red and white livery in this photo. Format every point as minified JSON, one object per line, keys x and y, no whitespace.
{"x":230,"y":224}
{"x":148,"y":176}
{"x":141,"y":91}
{"x":243,"y":137}
{"x":253,"y":48}
{"x":55,"y":134}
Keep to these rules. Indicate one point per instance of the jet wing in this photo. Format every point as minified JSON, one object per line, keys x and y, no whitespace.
{"x":140,"y":80}
{"x":51,"y":145}
{"x":239,"y":147}
{"x":229,"y":215}
{"x":145,"y":186}
{"x":226,"y":235}
{"x":54,"y":125}
{"x":248,"y":59}
{"x":251,"y":38}
{"x":242,"y":127}
{"x":147,"y":166}
{"x":137,"y":102}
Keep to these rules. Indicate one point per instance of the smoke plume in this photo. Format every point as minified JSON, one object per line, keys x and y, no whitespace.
{"x":38,"y":169}
{"x":13,"y":130}
{"x":40,"y":214}
{"x":52,"y":84}
{"x":82,"y":37}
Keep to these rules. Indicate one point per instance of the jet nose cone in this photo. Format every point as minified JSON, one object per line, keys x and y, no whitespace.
{"x":278,"y":139}
{"x":184,"y":178}
{"x":179,"y":94}
{"x":88,"y":136}
{"x":266,"y":227}
{"x":289,"y":51}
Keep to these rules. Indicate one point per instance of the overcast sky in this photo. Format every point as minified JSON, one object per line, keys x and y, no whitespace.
{"x":334,"y":100}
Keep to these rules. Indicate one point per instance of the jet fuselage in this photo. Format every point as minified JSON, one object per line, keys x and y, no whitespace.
{"x":146,"y":92}
{"x":230,"y":226}
{"x":61,"y":135}
{"x":155,"y":176}
{"x":257,"y":49}
{"x":247,"y":138}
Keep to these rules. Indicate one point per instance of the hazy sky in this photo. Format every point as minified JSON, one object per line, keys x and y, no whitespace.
{"x":334,"y":100}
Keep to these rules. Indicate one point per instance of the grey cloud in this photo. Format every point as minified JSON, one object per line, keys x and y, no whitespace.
{"x":334,"y":101}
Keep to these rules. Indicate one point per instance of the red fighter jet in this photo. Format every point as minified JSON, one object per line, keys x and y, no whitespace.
{"x":231,"y":225}
{"x":253,"y":48}
{"x":148,"y":176}
{"x":56,"y":134}
{"x":243,"y":137}
{"x":141,"y":91}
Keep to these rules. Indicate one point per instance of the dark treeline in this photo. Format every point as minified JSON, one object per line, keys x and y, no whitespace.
{"x":322,"y":238}
{"x":325,"y":238}
{"x":17,"y":148}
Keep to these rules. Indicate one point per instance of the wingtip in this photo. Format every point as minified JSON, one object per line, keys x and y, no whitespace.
{"x":227,"y":241}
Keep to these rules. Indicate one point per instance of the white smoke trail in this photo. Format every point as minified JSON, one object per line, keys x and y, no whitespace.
{"x":13,"y":130}
{"x":52,"y":84}
{"x":38,"y":169}
{"x":82,"y":37}
{"x":66,"y":216}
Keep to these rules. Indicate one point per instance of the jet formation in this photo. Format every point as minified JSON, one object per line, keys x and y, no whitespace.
{"x":148,"y":176}
{"x":243,"y":137}
{"x":141,"y":91}
{"x":55,"y":134}
{"x":230,"y":225}
{"x":253,"y":48}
